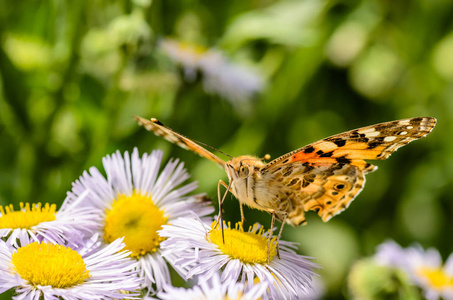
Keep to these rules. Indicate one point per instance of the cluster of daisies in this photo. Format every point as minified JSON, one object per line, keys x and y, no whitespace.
{"x":407,"y":273}
{"x":423,"y":268}
{"x":118,"y":237}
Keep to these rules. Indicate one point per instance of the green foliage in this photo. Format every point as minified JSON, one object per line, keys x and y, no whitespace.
{"x":367,"y":280}
{"x":74,"y":73}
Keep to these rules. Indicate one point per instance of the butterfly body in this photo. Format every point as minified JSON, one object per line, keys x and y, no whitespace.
{"x":324,"y":176}
{"x":243,"y":173}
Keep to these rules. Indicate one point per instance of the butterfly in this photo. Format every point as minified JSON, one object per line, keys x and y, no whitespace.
{"x":324,"y":176}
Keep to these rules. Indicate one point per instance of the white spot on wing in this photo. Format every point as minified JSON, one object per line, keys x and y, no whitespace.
{"x":389,"y":138}
{"x":370,"y":132}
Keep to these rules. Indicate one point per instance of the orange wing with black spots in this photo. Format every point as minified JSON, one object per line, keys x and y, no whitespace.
{"x":327,"y":175}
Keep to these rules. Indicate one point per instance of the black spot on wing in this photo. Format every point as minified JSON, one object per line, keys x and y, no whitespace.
{"x":416,"y":120}
{"x":376,"y":142}
{"x":326,"y":154}
{"x":309,"y":149}
{"x":343,"y":160}
{"x":308,"y":167}
{"x":373,"y":145}
{"x":340,"y":142}
{"x":339,"y":186}
{"x":356,"y":135}
{"x":363,"y":140}
{"x":337,"y":141}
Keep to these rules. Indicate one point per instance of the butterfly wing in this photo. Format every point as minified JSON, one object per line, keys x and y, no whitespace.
{"x":327,"y":175}
{"x":167,"y":133}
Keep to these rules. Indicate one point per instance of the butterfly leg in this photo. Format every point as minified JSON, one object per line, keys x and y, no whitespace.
{"x":285,"y":215}
{"x":221,"y":182}
{"x":242,"y":213}
{"x":272,"y":212}
{"x":221,"y":199}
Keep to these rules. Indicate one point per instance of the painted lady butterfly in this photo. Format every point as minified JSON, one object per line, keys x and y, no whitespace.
{"x":324,"y":176}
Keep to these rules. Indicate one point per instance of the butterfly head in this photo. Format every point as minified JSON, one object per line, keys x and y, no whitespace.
{"x":242,"y":166}
{"x":240,"y":170}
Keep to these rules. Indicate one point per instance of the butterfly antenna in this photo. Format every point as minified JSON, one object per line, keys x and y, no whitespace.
{"x":215,"y":149}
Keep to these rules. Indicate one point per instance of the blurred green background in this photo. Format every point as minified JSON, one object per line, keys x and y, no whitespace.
{"x":74,"y":73}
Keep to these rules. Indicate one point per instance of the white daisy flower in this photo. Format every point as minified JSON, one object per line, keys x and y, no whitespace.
{"x":233,"y":82}
{"x":214,"y":289}
{"x":186,"y":55}
{"x":135,"y":201}
{"x":199,"y":250}
{"x":390,"y":253}
{"x":424,"y":267}
{"x":42,"y":270}
{"x":69,"y":225}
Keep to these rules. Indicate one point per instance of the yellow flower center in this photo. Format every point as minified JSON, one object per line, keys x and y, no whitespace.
{"x":436,"y":277}
{"x":138,"y":219}
{"x":248,"y":247}
{"x":49,"y":264}
{"x":28,"y":215}
{"x":192,"y":49}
